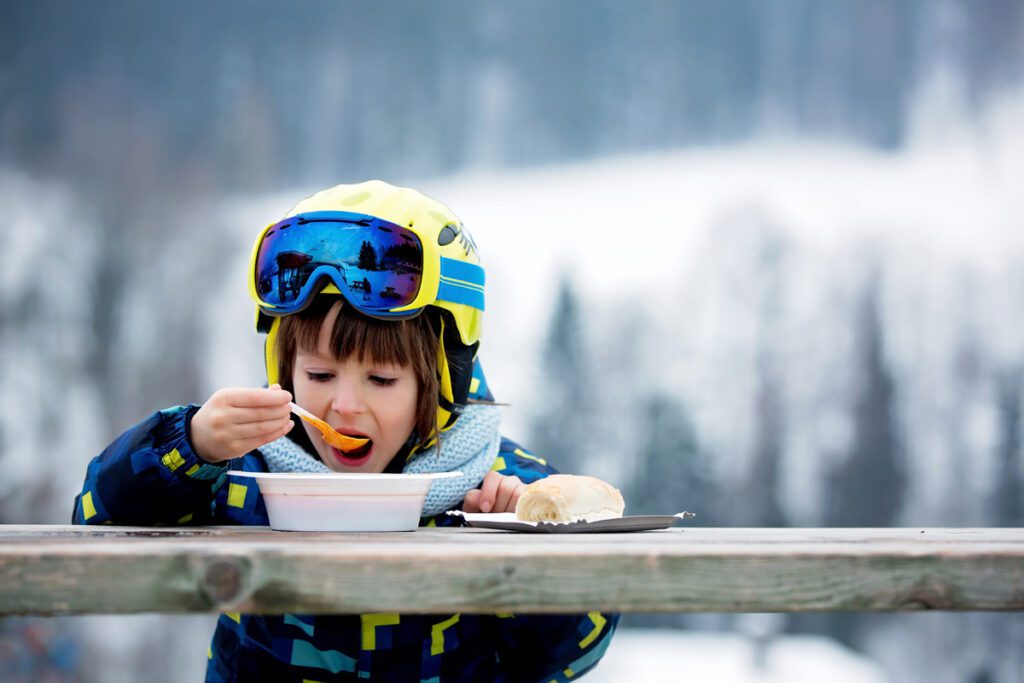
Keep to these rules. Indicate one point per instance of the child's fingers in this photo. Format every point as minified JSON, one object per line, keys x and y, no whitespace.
{"x":489,"y":491}
{"x":220,"y":431}
{"x":255,"y":430}
{"x":243,"y":446}
{"x":516,"y":495}
{"x":254,"y":415}
{"x":472,"y":501}
{"x":507,"y":494}
{"x":255,"y":398}
{"x":279,"y":433}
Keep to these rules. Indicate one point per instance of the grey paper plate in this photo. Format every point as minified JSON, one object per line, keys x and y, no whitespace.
{"x":507,"y":521}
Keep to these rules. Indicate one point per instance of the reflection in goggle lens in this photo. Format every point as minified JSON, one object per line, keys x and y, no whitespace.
{"x":377,"y":265}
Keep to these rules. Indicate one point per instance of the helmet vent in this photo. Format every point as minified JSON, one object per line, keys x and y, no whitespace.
{"x":446,"y":236}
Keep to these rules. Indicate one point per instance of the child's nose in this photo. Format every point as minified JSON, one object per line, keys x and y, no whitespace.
{"x":347,"y":399}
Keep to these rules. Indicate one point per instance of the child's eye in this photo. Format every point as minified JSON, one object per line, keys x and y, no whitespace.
{"x":383,"y":381}
{"x":318,"y":376}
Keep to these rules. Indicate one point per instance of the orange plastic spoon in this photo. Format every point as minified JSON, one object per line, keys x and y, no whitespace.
{"x":331,"y":436}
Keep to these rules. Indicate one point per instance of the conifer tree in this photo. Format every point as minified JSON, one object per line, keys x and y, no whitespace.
{"x":762,"y":490}
{"x":671,"y":473}
{"x":866,"y":489}
{"x":1009,"y":490}
{"x":367,"y":257}
{"x":562,"y":430}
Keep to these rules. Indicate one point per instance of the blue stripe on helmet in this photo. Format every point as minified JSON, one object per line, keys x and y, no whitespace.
{"x":460,"y":270}
{"x":458,"y":294}
{"x":461,"y":283}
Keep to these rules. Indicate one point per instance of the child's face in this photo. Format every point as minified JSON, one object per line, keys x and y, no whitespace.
{"x":356,"y":398}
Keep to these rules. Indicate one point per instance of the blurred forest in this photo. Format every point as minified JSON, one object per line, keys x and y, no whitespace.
{"x":785,"y":389}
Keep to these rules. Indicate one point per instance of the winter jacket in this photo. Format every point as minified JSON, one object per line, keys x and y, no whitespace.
{"x":150,"y":475}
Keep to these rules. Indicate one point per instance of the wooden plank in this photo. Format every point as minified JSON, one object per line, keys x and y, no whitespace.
{"x":74,"y":570}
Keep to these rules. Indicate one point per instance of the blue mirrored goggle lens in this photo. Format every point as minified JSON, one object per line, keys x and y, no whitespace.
{"x":377,"y":265}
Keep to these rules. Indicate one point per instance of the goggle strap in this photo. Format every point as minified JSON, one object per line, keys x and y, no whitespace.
{"x":461,"y":283}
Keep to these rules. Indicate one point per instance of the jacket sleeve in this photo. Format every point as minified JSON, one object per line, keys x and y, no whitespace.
{"x":150,"y":475}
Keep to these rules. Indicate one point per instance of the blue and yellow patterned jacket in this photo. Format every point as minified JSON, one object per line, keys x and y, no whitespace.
{"x":150,"y":475}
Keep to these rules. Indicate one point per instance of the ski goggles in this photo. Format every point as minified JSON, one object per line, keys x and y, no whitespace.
{"x":383,"y":270}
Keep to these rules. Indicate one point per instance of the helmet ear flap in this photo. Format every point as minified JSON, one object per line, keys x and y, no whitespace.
{"x":263,"y":322}
{"x":455,"y":370}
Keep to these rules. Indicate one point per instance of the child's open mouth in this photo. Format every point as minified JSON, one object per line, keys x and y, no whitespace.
{"x":355,"y":457}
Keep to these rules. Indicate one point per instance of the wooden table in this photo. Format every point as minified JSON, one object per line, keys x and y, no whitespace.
{"x":75,"y":570}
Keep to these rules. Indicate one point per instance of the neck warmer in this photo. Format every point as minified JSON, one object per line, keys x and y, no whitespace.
{"x":470,"y":447}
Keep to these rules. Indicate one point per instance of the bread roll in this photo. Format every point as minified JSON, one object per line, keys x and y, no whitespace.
{"x":569,"y":498}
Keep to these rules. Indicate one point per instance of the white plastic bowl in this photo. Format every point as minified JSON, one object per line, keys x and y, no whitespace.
{"x":344,"y":502}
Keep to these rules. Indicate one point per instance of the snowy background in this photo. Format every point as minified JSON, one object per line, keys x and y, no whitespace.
{"x":762,"y":261}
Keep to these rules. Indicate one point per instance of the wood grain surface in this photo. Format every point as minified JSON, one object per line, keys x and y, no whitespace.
{"x":75,"y":570}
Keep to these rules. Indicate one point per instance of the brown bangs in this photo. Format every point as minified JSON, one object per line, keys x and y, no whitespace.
{"x":409,"y":343}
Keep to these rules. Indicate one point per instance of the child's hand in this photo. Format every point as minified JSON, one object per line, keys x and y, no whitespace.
{"x":235,"y":421}
{"x":497,"y":493}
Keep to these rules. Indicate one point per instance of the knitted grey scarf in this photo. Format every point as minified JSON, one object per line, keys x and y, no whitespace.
{"x":470,"y":447}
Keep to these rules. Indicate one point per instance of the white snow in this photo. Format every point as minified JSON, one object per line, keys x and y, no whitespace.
{"x":662,"y":656}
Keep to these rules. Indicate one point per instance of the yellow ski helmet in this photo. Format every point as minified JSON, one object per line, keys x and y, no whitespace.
{"x":290,"y":265}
